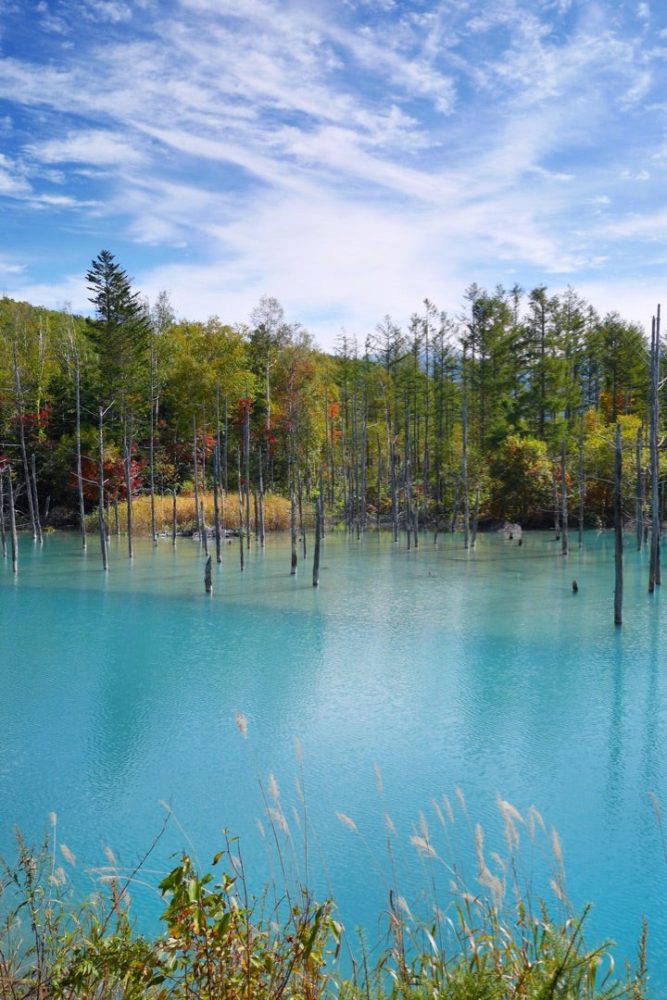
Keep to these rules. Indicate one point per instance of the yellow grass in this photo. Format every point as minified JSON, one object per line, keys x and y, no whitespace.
{"x":276,"y":512}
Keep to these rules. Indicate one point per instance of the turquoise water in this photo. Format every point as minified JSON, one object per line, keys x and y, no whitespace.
{"x":443,"y":668}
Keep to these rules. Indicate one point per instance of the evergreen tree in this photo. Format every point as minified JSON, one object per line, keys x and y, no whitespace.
{"x":488,"y":342}
{"x":119,"y":332}
{"x":625,"y":377}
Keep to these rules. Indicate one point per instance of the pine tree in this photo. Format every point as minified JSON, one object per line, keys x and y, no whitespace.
{"x":119,"y":332}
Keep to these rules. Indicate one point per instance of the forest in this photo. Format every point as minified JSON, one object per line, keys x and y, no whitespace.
{"x":452,"y":421}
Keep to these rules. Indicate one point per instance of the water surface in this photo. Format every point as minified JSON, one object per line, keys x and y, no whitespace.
{"x":444,"y":668}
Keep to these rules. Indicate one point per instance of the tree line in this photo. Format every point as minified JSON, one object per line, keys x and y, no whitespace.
{"x":494,"y":414}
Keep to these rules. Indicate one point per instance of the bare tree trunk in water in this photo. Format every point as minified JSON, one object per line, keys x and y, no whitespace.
{"x":225,"y":463}
{"x":218,"y":445}
{"x":318,"y":540}
{"x":379,"y":486}
{"x":438,"y":511}
{"x":464,"y":470}
{"x":195,"y":466}
{"x":12,"y":523}
{"x":3,"y":539}
{"x":246,"y":485}
{"x":654,"y":571}
{"x":238,"y":470}
{"x":408,"y":483}
{"x":301,"y":528}
{"x":416,"y":522}
{"x":216,"y":503}
{"x":639,"y":491}
{"x":24,"y":455}
{"x":100,"y":491}
{"x":322,"y":503}
{"x":292,"y":523}
{"x":255,"y":507}
{"x":151,"y":439}
{"x":563,"y":500}
{"x":394,"y":494}
{"x":261,"y":499}
{"x":363,"y":505}
{"x":354,"y":469}
{"x":554,"y":487}
{"x":33,"y":486}
{"x":79,"y":474}
{"x":455,"y":507}
{"x":475,"y":520}
{"x":128,"y":496}
{"x":618,"y":531}
{"x":151,"y":459}
{"x":203,"y":529}
{"x":208,"y":582}
{"x":582,"y":488}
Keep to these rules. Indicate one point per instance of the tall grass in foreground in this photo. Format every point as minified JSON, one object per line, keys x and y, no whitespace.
{"x":484,"y":938}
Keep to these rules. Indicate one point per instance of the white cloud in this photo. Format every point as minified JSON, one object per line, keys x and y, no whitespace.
{"x":634,"y":298}
{"x":94,"y":147}
{"x":113,"y":11}
{"x":68,"y":291}
{"x":635,"y":175}
{"x":10,"y":267}
{"x":650,"y":226}
{"x":12,"y":183}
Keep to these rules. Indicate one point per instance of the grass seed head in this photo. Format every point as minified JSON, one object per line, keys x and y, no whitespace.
{"x":274,"y":791}
{"x":422,"y":846}
{"x":280,"y":821}
{"x":68,"y":856}
{"x":346,"y":821}
{"x":556,"y":848}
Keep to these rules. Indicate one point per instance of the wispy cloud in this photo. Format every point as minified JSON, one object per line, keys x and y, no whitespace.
{"x":10,"y":267}
{"x":350,"y":159}
{"x":12,"y":183}
{"x":107,"y":10}
{"x":95,"y":147}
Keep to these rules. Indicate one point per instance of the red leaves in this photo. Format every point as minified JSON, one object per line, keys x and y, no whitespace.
{"x":243,"y":406}
{"x":34,"y":421}
{"x":114,"y":478}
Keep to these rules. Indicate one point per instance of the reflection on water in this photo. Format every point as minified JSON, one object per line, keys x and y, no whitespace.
{"x":445,"y":668}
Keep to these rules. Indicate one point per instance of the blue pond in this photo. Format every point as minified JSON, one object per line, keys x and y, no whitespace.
{"x":445,"y":669}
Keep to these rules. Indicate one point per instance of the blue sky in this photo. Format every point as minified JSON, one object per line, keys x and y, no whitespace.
{"x":350,"y":157}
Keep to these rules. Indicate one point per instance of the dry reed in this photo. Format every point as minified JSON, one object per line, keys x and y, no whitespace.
{"x":276,"y":512}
